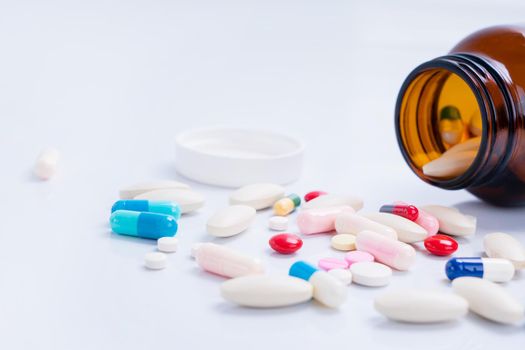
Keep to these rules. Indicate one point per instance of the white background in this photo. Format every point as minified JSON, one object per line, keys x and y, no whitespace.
{"x":111,"y":82}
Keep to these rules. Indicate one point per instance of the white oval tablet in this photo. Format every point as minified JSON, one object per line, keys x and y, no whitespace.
{"x":449,"y":165}
{"x":130,"y":192}
{"x":230,"y":221}
{"x":407,"y":231}
{"x":257,"y":196}
{"x":343,"y":241}
{"x":278,"y":223}
{"x":353,"y":223}
{"x":167,"y":244}
{"x":370,"y":274}
{"x":332,"y":200}
{"x":489,"y":300}
{"x":266,"y":291}
{"x":46,"y":163}
{"x":188,"y":200}
{"x":451,"y":220}
{"x":155,"y":260}
{"x":421,"y":306}
{"x":343,"y":275}
{"x":503,"y":245}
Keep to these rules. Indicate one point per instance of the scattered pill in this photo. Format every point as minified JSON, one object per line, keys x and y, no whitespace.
{"x":358,"y":256}
{"x":492,"y":269}
{"x":452,"y":221}
{"x":320,"y":220}
{"x":407,"y":231}
{"x":286,"y":243}
{"x":188,"y":200}
{"x":450,"y":165}
{"x":503,"y":245}
{"x":425,"y":220}
{"x":328,"y":290}
{"x":343,"y":275}
{"x":328,"y":264}
{"x":313,"y":195}
{"x":258,"y":196}
{"x":286,"y":205}
{"x":194,"y":249}
{"x":47,"y":163}
{"x":155,"y":260}
{"x":441,"y":245}
{"x":421,"y":306}
{"x":167,"y":244}
{"x":133,"y":191}
{"x":489,"y":300}
{"x":451,"y":126}
{"x":371,"y":274}
{"x":353,"y":224}
{"x":278,"y":223}
{"x":230,"y":221}
{"x":225,"y":261}
{"x":332,"y":200}
{"x":343,"y":241}
{"x":160,"y":207}
{"x":143,"y":224}
{"x":407,"y":211}
{"x":393,"y":253}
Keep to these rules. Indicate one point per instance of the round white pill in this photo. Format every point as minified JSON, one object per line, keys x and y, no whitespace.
{"x":343,"y":275}
{"x":343,"y":241}
{"x":278,"y":223}
{"x":371,"y":274}
{"x":155,"y":260}
{"x":167,"y":244}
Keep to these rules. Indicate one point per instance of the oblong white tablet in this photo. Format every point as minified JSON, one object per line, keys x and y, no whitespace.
{"x":188,"y":200}
{"x":343,"y":275}
{"x":407,"y":231}
{"x":391,"y":252}
{"x":450,"y":165}
{"x":333,"y":200}
{"x":489,"y":300}
{"x":46,"y":163}
{"x":452,"y":221}
{"x":130,"y":192}
{"x":257,"y":196}
{"x":155,"y":260}
{"x":230,"y":221}
{"x":421,"y":306}
{"x":264,"y":291}
{"x":370,"y":274}
{"x":353,"y":224}
{"x":503,"y":245}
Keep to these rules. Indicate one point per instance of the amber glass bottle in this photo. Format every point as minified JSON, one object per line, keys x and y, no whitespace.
{"x":460,"y":118}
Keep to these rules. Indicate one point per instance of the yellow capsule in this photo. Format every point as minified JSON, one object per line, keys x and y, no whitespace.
{"x":451,"y":126}
{"x":283,"y":206}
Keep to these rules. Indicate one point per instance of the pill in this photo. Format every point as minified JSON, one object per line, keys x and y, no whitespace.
{"x":332,"y":200}
{"x":407,"y":211}
{"x":285,"y":243}
{"x":262,"y":291}
{"x":313,"y":195}
{"x":286,"y":205}
{"x":421,"y":306}
{"x":278,"y":223}
{"x":440,"y":245}
{"x":258,"y":196}
{"x":452,"y":221}
{"x":46,"y":163}
{"x":425,"y":220}
{"x":224,"y":261}
{"x":130,"y":192}
{"x":328,"y":264}
{"x":343,"y":241}
{"x":320,"y":220}
{"x":358,"y":256}
{"x":343,"y":275}
{"x":230,"y":221}
{"x":407,"y":231}
{"x":393,"y":253}
{"x":328,"y":290}
{"x":167,"y":244}
{"x":471,"y":144}
{"x":160,"y":207}
{"x":450,"y":165}
{"x":370,"y":274}
{"x":194,"y":249}
{"x":142,"y":224}
{"x":155,"y":260}
{"x":188,"y":200}
{"x":353,"y":224}
{"x":489,"y":300}
{"x":492,"y":269}
{"x":503,"y":245}
{"x":451,"y":126}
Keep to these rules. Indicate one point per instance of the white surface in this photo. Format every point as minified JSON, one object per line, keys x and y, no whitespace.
{"x":111,"y":83}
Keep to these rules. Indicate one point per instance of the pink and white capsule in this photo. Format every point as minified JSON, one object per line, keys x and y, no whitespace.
{"x":320,"y":220}
{"x":353,"y":223}
{"x":429,"y":222}
{"x":393,"y":253}
{"x":225,"y":261}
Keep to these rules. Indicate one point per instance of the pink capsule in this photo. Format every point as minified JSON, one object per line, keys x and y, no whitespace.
{"x":407,"y":211}
{"x":320,"y":220}
{"x":425,"y":220}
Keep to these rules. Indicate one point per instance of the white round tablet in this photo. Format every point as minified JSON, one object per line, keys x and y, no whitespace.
{"x":371,"y":274}
{"x":343,"y":275}
{"x":167,"y":244}
{"x":278,"y":223}
{"x":155,"y":260}
{"x":344,"y":242}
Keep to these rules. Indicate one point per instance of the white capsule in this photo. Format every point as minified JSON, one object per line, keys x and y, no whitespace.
{"x":278,"y":223}
{"x":46,"y":163}
{"x":155,"y":260}
{"x":130,"y":192}
{"x":258,"y":196}
{"x":370,"y":274}
{"x":353,"y":224}
{"x":393,"y":253}
{"x":489,"y":300}
{"x":452,"y":221}
{"x":332,"y":200}
{"x":343,"y":275}
{"x":503,"y":245}
{"x":230,"y":221}
{"x":421,"y":306}
{"x":450,"y":165}
{"x":407,"y":231}
{"x":225,"y":261}
{"x":320,"y":220}
{"x":266,"y":291}
{"x":188,"y":200}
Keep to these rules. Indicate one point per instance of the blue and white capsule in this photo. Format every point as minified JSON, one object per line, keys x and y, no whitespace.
{"x":492,"y":269}
{"x":328,"y":290}
{"x":144,"y":205}
{"x":143,"y":224}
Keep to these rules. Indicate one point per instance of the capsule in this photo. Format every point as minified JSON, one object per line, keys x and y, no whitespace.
{"x":224,"y":261}
{"x":407,"y":211}
{"x":286,"y":205}
{"x":328,"y":290}
{"x":313,"y":195}
{"x":451,"y":125}
{"x":160,"y":207}
{"x":492,"y":269}
{"x":143,"y":224}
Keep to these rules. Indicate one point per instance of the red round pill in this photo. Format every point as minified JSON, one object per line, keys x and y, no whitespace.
{"x":286,"y":243}
{"x":441,"y":245}
{"x":312,"y":195}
